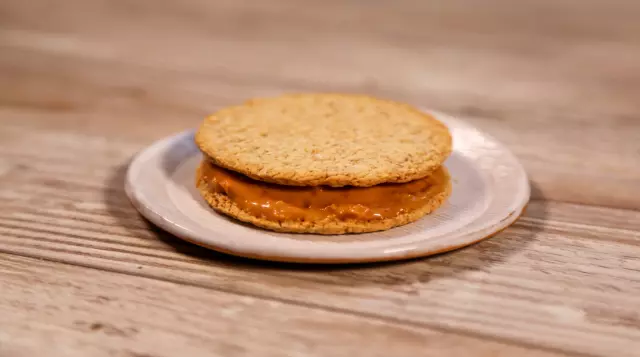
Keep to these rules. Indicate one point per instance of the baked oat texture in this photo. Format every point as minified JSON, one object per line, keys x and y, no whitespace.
{"x":331,"y":225}
{"x":325,"y":139}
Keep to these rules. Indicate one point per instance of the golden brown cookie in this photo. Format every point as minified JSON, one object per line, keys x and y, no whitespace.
{"x":221,"y":198}
{"x":325,"y":139}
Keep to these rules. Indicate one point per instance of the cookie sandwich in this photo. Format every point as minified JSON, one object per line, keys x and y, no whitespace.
{"x":323,"y":163}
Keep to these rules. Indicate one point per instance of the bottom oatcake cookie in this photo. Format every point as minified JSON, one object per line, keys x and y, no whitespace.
{"x":323,"y":163}
{"x":321,"y":209}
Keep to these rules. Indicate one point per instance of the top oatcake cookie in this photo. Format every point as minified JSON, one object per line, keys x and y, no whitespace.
{"x":325,"y":139}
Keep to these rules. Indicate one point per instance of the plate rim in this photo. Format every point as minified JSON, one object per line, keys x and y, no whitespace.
{"x":181,"y":232}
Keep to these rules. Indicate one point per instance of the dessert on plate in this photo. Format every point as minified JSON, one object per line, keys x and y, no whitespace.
{"x":323,"y":163}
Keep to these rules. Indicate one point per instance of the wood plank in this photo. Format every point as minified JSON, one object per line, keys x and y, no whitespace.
{"x":59,"y":310}
{"x":94,"y":81}
{"x":557,"y":279}
{"x":545,"y":89}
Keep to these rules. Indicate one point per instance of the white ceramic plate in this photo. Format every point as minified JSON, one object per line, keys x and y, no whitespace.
{"x":490,"y":191}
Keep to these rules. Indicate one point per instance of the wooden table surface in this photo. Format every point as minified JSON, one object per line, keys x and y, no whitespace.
{"x":85,"y":84}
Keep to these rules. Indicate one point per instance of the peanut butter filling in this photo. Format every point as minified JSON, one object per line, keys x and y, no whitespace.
{"x":279,"y":203}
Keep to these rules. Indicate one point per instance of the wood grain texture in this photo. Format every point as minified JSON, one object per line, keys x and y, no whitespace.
{"x":92,"y":82}
{"x":82,"y":312}
{"x":555,"y":80}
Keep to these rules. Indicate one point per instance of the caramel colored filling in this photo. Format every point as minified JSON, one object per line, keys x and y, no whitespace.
{"x":278,"y":202}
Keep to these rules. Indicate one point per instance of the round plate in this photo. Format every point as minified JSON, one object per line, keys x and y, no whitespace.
{"x":490,"y":190}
